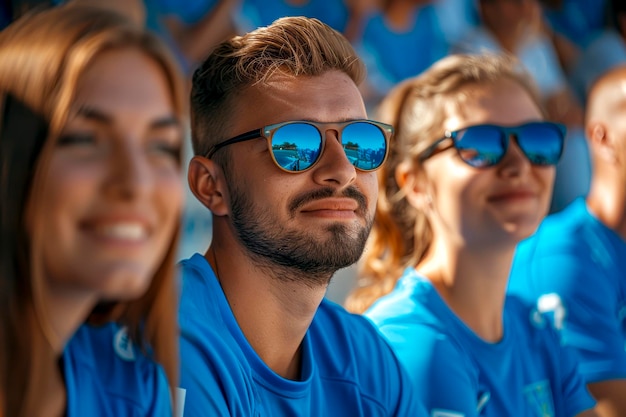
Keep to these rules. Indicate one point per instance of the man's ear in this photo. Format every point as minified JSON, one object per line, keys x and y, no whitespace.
{"x":601,"y":142}
{"x":206,"y":181}
{"x":413,"y":187}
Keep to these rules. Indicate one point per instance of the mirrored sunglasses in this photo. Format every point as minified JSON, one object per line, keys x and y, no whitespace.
{"x":485,"y":145}
{"x":296,"y":146}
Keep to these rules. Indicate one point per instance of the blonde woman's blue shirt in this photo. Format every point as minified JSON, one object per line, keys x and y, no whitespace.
{"x":347,"y":367}
{"x":574,"y":270}
{"x":106,"y":375}
{"x":526,"y":374}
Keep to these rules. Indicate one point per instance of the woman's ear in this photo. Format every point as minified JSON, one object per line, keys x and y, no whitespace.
{"x":413,"y":187}
{"x":206,"y":181}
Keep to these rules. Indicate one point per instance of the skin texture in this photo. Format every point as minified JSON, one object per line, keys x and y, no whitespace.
{"x":479,"y":215}
{"x":113,"y":190}
{"x":491,"y":205}
{"x":606,"y":133}
{"x":299,"y":220}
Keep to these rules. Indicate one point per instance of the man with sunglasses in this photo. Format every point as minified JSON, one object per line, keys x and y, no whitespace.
{"x":285,"y":160}
{"x":573,"y":267}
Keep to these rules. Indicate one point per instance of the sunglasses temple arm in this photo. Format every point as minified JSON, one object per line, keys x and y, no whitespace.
{"x":253,"y":134}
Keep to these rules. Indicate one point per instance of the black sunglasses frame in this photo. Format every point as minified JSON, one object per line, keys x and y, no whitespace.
{"x":506,"y":133}
{"x":267,"y":132}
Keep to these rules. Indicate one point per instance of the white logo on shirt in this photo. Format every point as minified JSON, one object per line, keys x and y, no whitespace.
{"x":123,"y":345}
{"x":552,"y":303}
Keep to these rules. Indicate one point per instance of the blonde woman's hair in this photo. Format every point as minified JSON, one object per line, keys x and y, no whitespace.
{"x":418,"y":108}
{"x":42,"y":57}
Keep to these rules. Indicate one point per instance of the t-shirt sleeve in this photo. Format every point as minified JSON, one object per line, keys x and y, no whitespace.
{"x":580,"y":298}
{"x":198,"y":384}
{"x":438,"y":368}
{"x":162,"y":405}
{"x":205,"y":380}
{"x":576,"y":397}
{"x":408,"y":403}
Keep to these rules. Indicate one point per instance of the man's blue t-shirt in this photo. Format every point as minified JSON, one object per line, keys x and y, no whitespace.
{"x":574,"y":269}
{"x":106,"y":375}
{"x":526,"y":374}
{"x":347,"y":367}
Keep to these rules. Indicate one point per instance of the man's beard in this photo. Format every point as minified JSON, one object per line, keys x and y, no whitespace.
{"x":298,"y":253}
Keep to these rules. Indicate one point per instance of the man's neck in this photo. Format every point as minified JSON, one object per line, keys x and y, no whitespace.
{"x":274,"y":314}
{"x":608,"y":204}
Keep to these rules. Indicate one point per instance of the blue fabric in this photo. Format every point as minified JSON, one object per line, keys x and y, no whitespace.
{"x":456,"y":17}
{"x":605,"y":51}
{"x":256,"y":13}
{"x":188,"y":11}
{"x":393,"y":56}
{"x":573,"y":267}
{"x":347,"y":367}
{"x":577,"y":19}
{"x":105,"y":375}
{"x":536,"y":53}
{"x":526,"y":374}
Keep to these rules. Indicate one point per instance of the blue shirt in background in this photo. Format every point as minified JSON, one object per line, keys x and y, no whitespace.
{"x":526,"y":374}
{"x":392,"y":56}
{"x":257,"y":13}
{"x":105,"y":375}
{"x":574,"y":269}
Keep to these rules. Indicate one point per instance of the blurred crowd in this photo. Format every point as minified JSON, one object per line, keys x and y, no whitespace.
{"x":474,"y":300}
{"x":563,"y":44}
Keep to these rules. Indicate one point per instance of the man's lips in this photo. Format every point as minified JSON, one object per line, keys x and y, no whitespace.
{"x":331,"y":204}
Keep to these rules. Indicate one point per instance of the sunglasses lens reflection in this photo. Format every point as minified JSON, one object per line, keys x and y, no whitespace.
{"x":485,"y":146}
{"x":297,"y":146}
{"x":364,"y":144}
{"x":542,"y":143}
{"x":481,"y":146}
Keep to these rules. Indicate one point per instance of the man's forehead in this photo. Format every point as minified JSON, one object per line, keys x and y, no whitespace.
{"x":303,"y":97}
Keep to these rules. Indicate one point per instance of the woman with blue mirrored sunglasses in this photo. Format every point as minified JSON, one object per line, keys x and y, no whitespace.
{"x":484,"y":145}
{"x":447,"y":225}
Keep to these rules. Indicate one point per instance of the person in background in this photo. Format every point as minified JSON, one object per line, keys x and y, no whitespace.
{"x":605,"y":51}
{"x":90,"y":203}
{"x":192,"y":28}
{"x":573,"y":267}
{"x":575,"y":20}
{"x":518,"y":27}
{"x":285,"y":161}
{"x":338,"y":14}
{"x":469,"y":176}
{"x":389,"y":35}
